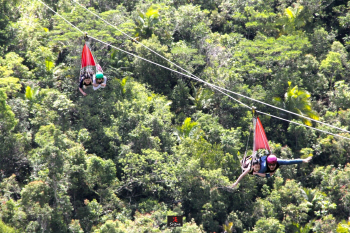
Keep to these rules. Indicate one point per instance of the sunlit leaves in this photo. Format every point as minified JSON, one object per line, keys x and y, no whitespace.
{"x":7,"y":117}
{"x":10,"y":85}
{"x":294,"y":21}
{"x":186,"y":127}
{"x":270,"y":62}
{"x":146,"y":21}
{"x":11,"y":71}
{"x":12,"y":66}
{"x":31,"y":93}
{"x":269,"y":225}
{"x":343,"y":226}
{"x":263,"y":22}
{"x":331,"y":66}
{"x":49,"y":65}
{"x":298,"y":101}
{"x":6,"y":228}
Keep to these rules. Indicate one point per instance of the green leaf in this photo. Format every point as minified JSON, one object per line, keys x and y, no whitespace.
{"x":49,"y":65}
{"x":289,"y":13}
{"x":29,"y":93}
{"x":187,"y":126}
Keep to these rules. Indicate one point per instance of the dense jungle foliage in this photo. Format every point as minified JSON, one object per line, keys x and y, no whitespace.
{"x":154,"y":143}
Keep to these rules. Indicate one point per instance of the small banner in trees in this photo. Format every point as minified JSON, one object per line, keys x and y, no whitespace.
{"x":175,"y":221}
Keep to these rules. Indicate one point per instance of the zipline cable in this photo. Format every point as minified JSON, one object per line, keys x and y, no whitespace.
{"x":209,"y":84}
{"x":168,"y":69}
{"x":197,"y":79}
{"x":61,"y":17}
{"x":212,"y":85}
{"x":297,"y":123}
{"x":161,"y":56}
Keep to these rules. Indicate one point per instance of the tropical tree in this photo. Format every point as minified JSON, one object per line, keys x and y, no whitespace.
{"x":269,"y":225}
{"x":145,"y":22}
{"x":298,"y":101}
{"x":111,"y":162}
{"x":293,"y":19}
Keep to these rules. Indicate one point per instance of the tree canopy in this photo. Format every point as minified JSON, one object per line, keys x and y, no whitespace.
{"x":154,"y":143}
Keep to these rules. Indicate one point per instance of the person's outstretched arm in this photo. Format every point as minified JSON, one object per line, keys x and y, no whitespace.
{"x":94,"y":84}
{"x":241,"y":176}
{"x":104,"y":81}
{"x":81,"y":84}
{"x":82,"y":92}
{"x":293,"y":161}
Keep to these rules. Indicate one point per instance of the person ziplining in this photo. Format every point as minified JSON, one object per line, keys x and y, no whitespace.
{"x":264,"y":166}
{"x":191,"y":76}
{"x":99,"y":80}
{"x":91,"y":74}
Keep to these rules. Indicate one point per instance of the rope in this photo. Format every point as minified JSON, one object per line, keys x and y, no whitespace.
{"x":263,"y":137}
{"x":245,"y":153}
{"x":211,"y":85}
{"x":246,"y":148}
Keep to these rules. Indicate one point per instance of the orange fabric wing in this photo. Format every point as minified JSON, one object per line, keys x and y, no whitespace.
{"x":86,"y":57}
{"x":260,"y":137}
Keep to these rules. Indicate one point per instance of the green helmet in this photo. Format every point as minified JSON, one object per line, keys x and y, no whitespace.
{"x":99,"y":75}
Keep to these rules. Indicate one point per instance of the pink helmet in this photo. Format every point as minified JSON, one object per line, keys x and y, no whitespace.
{"x":271,"y":159}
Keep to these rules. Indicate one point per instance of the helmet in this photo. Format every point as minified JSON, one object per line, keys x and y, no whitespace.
{"x":271,"y":159}
{"x":99,"y":75}
{"x":255,"y":161}
{"x":87,"y":76}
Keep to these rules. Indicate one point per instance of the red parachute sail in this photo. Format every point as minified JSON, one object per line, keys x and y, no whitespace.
{"x":86,"y":57}
{"x":260,"y":139}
